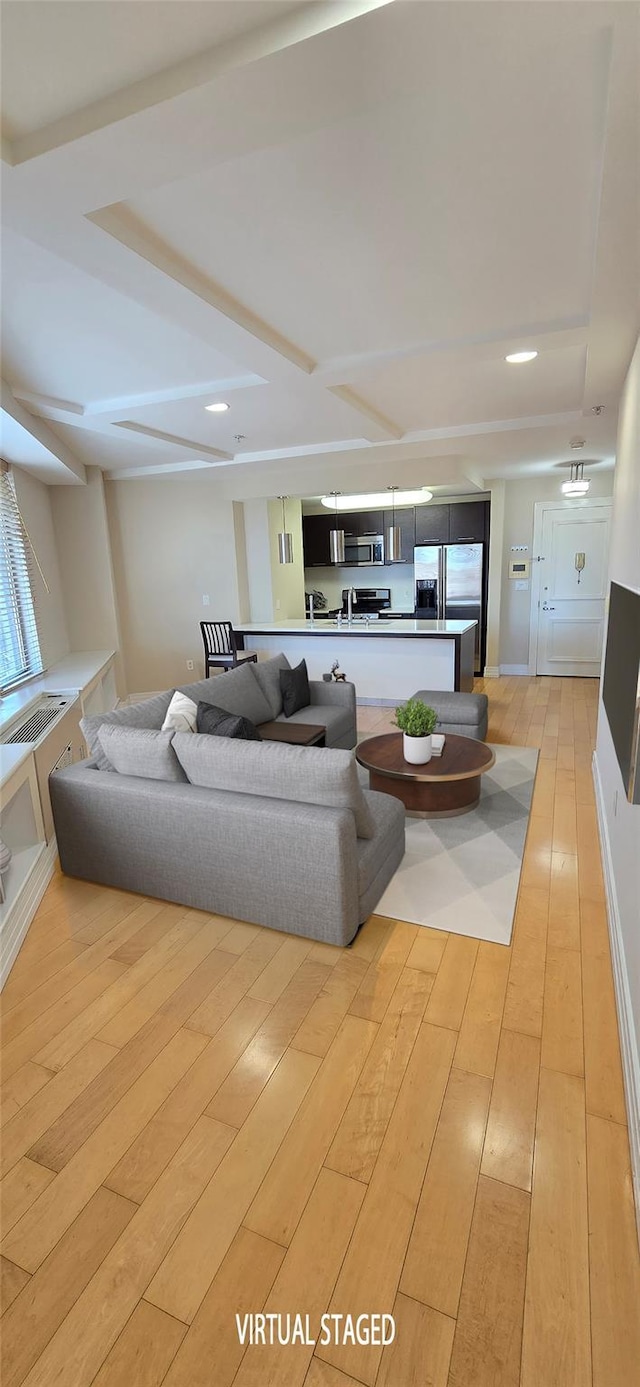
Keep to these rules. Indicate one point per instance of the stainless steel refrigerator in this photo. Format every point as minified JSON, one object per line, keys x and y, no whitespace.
{"x":450,"y":585}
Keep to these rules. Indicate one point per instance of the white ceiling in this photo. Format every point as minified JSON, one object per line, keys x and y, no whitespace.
{"x":339,"y":217}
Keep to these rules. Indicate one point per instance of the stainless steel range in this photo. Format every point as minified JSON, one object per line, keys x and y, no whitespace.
{"x":367,"y":602}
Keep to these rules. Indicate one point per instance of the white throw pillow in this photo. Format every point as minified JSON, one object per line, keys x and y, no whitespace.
{"x":181,"y":714}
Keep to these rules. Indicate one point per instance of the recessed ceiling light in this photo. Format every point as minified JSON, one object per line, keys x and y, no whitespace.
{"x":218,"y":408}
{"x":519,"y":358}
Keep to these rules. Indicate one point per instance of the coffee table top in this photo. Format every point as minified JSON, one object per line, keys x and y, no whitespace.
{"x":462,"y":758}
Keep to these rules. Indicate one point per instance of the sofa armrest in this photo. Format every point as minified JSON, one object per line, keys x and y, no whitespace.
{"x":340,"y":692}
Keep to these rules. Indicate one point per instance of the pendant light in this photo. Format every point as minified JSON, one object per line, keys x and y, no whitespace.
{"x":394,"y":540}
{"x":336,"y":537}
{"x":578,"y":485}
{"x":285,"y":539}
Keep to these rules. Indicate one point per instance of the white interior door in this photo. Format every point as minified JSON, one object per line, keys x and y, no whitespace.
{"x":573,"y":587}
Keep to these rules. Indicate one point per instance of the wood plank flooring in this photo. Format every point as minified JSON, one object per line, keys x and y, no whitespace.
{"x":202,"y":1117}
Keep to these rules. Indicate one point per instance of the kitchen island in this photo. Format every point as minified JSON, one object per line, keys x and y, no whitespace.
{"x":387,"y":660}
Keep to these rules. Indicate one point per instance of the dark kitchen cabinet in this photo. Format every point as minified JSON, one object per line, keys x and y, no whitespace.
{"x":315,"y":540}
{"x":432,"y":524}
{"x":467,"y":521}
{"x":406,"y":519}
{"x":362,"y":522}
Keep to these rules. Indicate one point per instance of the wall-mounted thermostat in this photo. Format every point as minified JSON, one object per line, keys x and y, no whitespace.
{"x":518,"y":568}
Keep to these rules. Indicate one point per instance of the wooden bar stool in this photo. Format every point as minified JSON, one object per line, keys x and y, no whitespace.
{"x":221,"y":648}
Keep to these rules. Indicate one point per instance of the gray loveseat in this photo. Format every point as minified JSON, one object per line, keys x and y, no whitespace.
{"x":274,"y":834}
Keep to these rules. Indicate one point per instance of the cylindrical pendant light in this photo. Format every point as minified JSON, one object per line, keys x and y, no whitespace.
{"x":394,"y":539}
{"x":336,"y":537}
{"x":285,"y":539}
{"x":578,"y":484}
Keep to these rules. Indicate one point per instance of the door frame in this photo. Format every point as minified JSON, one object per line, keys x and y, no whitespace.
{"x":539,"y":510}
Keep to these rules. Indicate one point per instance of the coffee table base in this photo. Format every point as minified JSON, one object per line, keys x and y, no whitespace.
{"x":441,"y":799}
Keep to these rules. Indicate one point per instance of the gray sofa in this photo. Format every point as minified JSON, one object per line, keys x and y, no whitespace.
{"x":274,"y":834}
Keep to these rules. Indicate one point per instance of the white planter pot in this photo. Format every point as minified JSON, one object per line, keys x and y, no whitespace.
{"x":417,"y":750}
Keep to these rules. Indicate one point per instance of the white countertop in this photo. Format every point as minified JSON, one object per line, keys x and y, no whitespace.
{"x":323,"y":627}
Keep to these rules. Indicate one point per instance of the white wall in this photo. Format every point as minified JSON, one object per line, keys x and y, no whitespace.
{"x":172,"y":542}
{"x":82,"y":536}
{"x":494,"y":586}
{"x":34,"y":500}
{"x":287,"y":579}
{"x":619,"y":820}
{"x":258,"y":555}
{"x":515,"y":607}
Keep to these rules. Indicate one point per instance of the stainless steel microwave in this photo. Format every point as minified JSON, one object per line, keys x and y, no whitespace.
{"x":365,"y":550}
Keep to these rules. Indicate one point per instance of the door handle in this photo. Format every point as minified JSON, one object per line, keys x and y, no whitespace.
{"x":547,"y":608}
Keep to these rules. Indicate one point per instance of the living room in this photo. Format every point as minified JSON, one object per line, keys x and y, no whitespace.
{"x":371,"y":265}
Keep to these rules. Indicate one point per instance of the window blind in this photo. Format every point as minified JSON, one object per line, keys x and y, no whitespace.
{"x":19,"y":645}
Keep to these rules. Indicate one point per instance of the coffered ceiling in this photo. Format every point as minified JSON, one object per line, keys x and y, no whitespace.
{"x":338,"y":217}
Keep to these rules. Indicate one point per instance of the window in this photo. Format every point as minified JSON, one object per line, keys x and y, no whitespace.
{"x":19,"y":646}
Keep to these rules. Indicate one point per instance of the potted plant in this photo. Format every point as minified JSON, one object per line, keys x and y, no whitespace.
{"x":416,"y":721}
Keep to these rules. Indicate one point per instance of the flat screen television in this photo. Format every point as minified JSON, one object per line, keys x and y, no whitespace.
{"x":621,"y":683}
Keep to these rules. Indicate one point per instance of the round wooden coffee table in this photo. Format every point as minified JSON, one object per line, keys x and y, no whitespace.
{"x":444,"y":786}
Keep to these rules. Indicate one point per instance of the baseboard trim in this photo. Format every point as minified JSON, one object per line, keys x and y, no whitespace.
{"x":25,"y":908}
{"x":520,"y":670}
{"x":628,"y":1045}
{"x":491,"y":672}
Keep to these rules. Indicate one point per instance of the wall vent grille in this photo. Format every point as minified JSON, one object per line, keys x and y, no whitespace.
{"x":32,"y":728}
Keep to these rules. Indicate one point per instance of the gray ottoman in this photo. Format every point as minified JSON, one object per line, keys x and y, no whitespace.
{"x":464,"y":713}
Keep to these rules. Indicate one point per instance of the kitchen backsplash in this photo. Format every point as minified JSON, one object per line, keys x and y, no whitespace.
{"x":331,"y":581}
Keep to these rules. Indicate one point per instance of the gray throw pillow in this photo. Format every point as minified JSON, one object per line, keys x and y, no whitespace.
{"x":237,"y":691}
{"x":307,"y":775}
{"x":215,"y":722}
{"x":150,"y":713}
{"x":294,"y":684}
{"x":141,"y":751}
{"x":267,"y":673}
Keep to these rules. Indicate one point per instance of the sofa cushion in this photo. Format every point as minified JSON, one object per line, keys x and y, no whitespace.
{"x":141,"y":751}
{"x":267,"y":673}
{"x":181,"y":714}
{"x":216,"y":722}
{"x":310,"y":775}
{"x":150,"y":714}
{"x":237,"y":691}
{"x":294,"y":684}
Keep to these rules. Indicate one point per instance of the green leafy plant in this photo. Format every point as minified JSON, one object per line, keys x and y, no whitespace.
{"x":416,"y":718}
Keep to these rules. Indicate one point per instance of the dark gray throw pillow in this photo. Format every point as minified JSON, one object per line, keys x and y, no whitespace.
{"x":218,"y":723}
{"x":294,"y":685}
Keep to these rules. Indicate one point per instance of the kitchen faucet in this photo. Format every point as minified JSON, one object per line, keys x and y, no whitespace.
{"x":351,"y":596}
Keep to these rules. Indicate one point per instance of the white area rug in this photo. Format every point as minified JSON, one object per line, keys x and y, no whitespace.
{"x":462,"y":874}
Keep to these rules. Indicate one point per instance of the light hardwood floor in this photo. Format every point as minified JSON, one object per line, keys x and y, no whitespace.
{"x":203,"y":1117}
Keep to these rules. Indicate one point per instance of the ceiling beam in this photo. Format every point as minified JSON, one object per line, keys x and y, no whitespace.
{"x":310,"y":20}
{"x":118,"y":221}
{"x":349,"y":397}
{"x":42,"y":433}
{"x":172,"y":438}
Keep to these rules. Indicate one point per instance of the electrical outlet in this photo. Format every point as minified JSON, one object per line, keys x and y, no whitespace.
{"x":205,"y":599}
{"x":278,"y":604}
{"x":189,"y":664}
